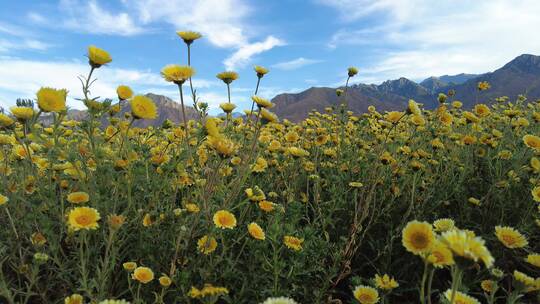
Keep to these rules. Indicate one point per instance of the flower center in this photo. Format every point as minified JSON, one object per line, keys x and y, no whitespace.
{"x":83,"y":220}
{"x":419,"y":240}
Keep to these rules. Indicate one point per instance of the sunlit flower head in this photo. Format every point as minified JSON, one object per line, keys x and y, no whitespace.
{"x":5,"y":121}
{"x":22,"y":113}
{"x":74,"y":299}
{"x":124,"y":92}
{"x":293,"y":243}
{"x":488,"y":285}
{"x":268,"y":116}
{"x":208,"y":290}
{"x":533,"y":259}
{"x":261,"y":71}
{"x":366,"y":294}
{"x":3,"y":199}
{"x":444,"y":224}
{"x":440,"y":255}
{"x":177,"y":73}
{"x":261,"y":102}
{"x":143,"y":274}
{"x":189,"y":36}
{"x":482,"y":110}
{"x":413,"y":108}
{"x":385,"y":282}
{"x":227,"y":107}
{"x":165,"y":281}
{"x":207,"y":244}
{"x":536,"y":193}
{"x":84,"y":218}
{"x":418,"y":237}
{"x":129,"y":266}
{"x":279,"y":300}
{"x":227,"y":76}
{"x":466,"y":245}
{"x":394,"y":116}
{"x":352,"y":71}
{"x":98,"y":57}
{"x":532,"y":141}
{"x":222,"y":145}
{"x":460,"y":298}
{"x":483,"y":85}
{"x":51,"y":100}
{"x":224,"y":219}
{"x":510,"y":237}
{"x":78,"y":197}
{"x":530,"y":283}
{"x":116,"y":221}
{"x":143,"y":107}
{"x":256,"y":231}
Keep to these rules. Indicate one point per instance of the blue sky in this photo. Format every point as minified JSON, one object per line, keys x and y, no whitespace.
{"x":304,"y":43}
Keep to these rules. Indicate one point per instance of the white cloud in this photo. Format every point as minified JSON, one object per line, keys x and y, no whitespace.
{"x":421,"y":38}
{"x":14,"y":38}
{"x":295,"y":63}
{"x":221,"y":21}
{"x":37,"y":18}
{"x":90,"y":17}
{"x":243,"y":55}
{"x":401,"y":10}
{"x":8,"y":45}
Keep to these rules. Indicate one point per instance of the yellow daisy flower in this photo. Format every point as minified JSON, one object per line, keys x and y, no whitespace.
{"x":227,"y":76}
{"x":176,"y":73}
{"x":83,"y":218}
{"x":366,"y":294}
{"x":460,"y":298}
{"x":124,"y":92}
{"x":143,"y":107}
{"x":293,"y":243}
{"x":51,"y":100}
{"x":536,"y":193}
{"x":78,"y":197}
{"x":510,"y":237}
{"x":3,"y":199}
{"x":532,"y":141}
{"x":98,"y":57}
{"x":533,"y":259}
{"x":224,"y":219}
{"x":418,"y":237}
{"x":22,"y":113}
{"x":207,"y":244}
{"x":143,"y":274}
{"x":74,"y":299}
{"x":189,"y":36}
{"x":256,"y":231}
{"x":385,"y":282}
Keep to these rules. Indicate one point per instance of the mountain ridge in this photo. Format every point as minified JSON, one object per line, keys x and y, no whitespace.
{"x":519,"y":76}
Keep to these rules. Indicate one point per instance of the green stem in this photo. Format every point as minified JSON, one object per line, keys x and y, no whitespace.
{"x":430,"y":283}
{"x":456,"y":282}
{"x":183,"y":113}
{"x":423,"y":283}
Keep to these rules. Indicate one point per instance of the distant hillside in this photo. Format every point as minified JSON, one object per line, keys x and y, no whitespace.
{"x":519,"y":76}
{"x":167,"y":109}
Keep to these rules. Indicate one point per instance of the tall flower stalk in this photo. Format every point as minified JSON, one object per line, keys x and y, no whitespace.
{"x":189,"y":37}
{"x":179,"y":75}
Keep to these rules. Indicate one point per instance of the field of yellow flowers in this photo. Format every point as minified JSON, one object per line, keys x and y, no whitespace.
{"x":412,"y":206}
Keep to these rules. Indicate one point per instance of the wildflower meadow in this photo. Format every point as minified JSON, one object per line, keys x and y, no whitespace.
{"x":416,"y":205}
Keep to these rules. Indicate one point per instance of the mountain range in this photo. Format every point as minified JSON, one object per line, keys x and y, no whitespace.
{"x":519,"y":76}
